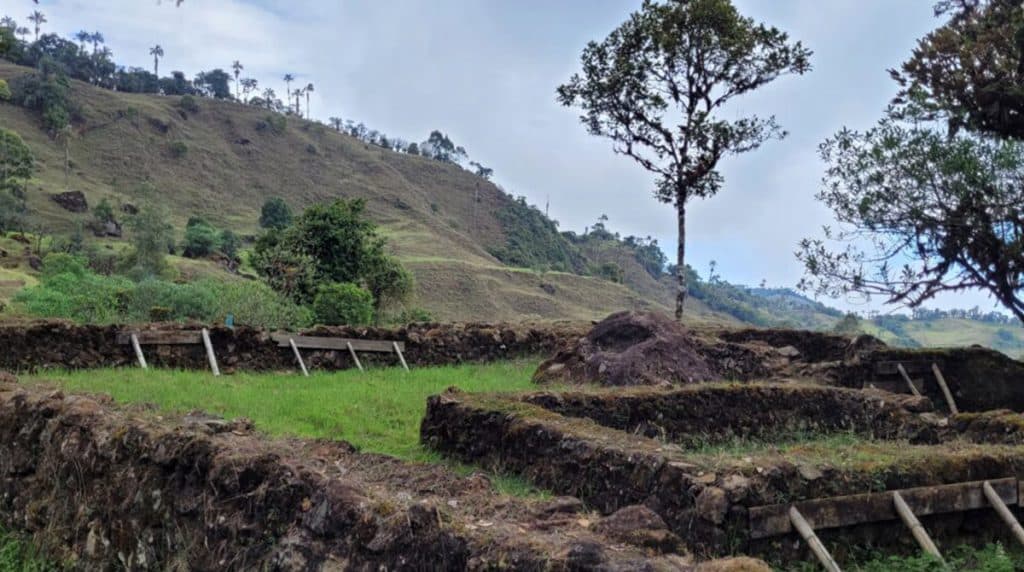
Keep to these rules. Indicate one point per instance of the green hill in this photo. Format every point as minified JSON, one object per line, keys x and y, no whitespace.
{"x":222,"y":162}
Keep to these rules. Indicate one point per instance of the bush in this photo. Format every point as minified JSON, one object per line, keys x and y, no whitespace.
{"x":275,"y":214}
{"x":229,"y":244}
{"x":342,"y":304}
{"x":201,"y":238}
{"x":5,"y":91}
{"x":179,"y":149}
{"x":189,"y":103}
{"x":272,"y":123}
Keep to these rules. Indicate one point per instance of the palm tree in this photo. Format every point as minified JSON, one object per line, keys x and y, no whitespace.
{"x":23,"y":31}
{"x":269,"y":95}
{"x":288,"y":79}
{"x":308,"y":90}
{"x":64,"y":137}
{"x":157,"y":52}
{"x":298,"y":101}
{"x":38,"y":19}
{"x":8,"y":22}
{"x":97,"y":39}
{"x":238,"y":67}
{"x":83,"y":38}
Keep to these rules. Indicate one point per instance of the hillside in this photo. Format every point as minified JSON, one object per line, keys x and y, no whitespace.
{"x":440,"y":220}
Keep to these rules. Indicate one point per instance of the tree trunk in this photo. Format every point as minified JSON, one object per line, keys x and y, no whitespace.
{"x":681,"y":257}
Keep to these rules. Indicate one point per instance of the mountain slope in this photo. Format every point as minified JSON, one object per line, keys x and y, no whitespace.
{"x":439,"y":219}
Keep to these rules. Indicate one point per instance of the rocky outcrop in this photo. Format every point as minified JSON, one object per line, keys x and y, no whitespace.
{"x":73,"y":201}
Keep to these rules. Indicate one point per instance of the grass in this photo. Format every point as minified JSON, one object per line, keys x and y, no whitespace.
{"x":379,"y":411}
{"x":991,"y":558}
{"x":18,"y":555}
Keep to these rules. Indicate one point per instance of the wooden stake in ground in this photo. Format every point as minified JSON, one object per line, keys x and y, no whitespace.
{"x":401,"y":358}
{"x":138,"y":352}
{"x":209,"y":352}
{"x":298,"y":356}
{"x":920,"y":534}
{"x":355,"y":358}
{"x":1004,"y":512}
{"x":812,"y":540}
{"x":945,"y":389}
{"x":910,"y":384}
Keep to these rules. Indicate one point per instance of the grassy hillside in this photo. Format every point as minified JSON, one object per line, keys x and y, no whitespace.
{"x":439,"y":219}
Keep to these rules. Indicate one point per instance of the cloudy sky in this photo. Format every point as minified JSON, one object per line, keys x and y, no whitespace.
{"x":485,"y":72}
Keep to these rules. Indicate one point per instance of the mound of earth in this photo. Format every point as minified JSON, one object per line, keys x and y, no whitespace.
{"x":631,"y":348}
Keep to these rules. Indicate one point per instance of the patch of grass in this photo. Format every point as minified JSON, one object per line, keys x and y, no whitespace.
{"x":18,"y":555}
{"x":379,"y":411}
{"x":991,"y":558}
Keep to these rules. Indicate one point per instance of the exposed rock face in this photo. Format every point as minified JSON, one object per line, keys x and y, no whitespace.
{"x":73,"y":201}
{"x":630,"y":348}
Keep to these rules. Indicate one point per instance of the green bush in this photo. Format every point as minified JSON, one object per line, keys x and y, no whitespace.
{"x":342,"y":304}
{"x":189,"y":103}
{"x":201,"y":238}
{"x":179,"y":149}
{"x":5,"y":91}
{"x":272,"y":123}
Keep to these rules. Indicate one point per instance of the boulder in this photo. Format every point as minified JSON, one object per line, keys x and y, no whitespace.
{"x":73,"y":201}
{"x":639,"y":526}
{"x":630,"y":348}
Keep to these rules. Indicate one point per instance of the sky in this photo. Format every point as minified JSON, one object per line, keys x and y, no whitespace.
{"x":485,"y":72}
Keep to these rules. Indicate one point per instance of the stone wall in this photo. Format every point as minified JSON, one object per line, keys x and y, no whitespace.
{"x":42,"y":345}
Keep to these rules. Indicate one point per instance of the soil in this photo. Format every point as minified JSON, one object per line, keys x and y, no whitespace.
{"x":73,"y":201}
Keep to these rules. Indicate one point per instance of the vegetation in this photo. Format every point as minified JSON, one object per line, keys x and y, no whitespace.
{"x":533,"y":241}
{"x":150,"y":235}
{"x":18,"y":555}
{"x":991,"y":558}
{"x":275,"y":214}
{"x":16,"y":162}
{"x":340,"y":304}
{"x":681,"y":61}
{"x":928,"y":200}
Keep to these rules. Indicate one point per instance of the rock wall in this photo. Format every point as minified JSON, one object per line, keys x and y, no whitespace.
{"x":40,"y":345}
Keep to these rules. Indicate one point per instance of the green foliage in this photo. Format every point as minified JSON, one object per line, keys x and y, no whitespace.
{"x":272,"y":123}
{"x":611,"y":272}
{"x":342,"y":304}
{"x":214,"y":83}
{"x":189,"y":103}
{"x":229,"y":243}
{"x":16,"y":161}
{"x":849,"y":325}
{"x":5,"y":91}
{"x":69,"y":290}
{"x":291,"y":273}
{"x":992,"y":558}
{"x":149,"y":235}
{"x":103,"y":212}
{"x":412,"y":316}
{"x":179,"y":149}
{"x":18,"y":555}
{"x":201,"y":238}
{"x":275,"y":214}
{"x":48,"y":92}
{"x":532,"y":240}
{"x":388,"y":282}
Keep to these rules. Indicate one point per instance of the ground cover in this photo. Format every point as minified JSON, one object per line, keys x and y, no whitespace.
{"x":18,"y":555}
{"x":991,"y":558}
{"x":379,"y":411}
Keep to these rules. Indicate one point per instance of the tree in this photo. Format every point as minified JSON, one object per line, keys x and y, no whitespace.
{"x":16,"y":161}
{"x":103,"y":212}
{"x":481,"y":171}
{"x":229,"y":243}
{"x":308,"y":90}
{"x":157,"y":52}
{"x":288,"y":79}
{"x":275,"y":214}
{"x":388,"y":282}
{"x":291,"y":273}
{"x":83,"y":38}
{"x":5,"y":91}
{"x":214,"y":83}
{"x":249,"y":85}
{"x":37,"y":18}
{"x":150,"y":234}
{"x":64,"y":135}
{"x":928,"y":201}
{"x":269,"y":95}
{"x":656,"y":87}
{"x":298,"y":101}
{"x":342,"y":304}
{"x":336,"y":123}
{"x":237,"y":67}
{"x":201,"y":238}
{"x":440,"y":147}
{"x":96,"y":38}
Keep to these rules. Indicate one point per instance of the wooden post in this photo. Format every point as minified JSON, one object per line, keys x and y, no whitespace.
{"x":209,"y":352}
{"x":1004,"y":512}
{"x":298,"y":356}
{"x":138,"y":352}
{"x":355,"y":358}
{"x":398,"y":351}
{"x":812,"y":540}
{"x":920,"y":534}
{"x":945,"y":389}
{"x":910,"y":384}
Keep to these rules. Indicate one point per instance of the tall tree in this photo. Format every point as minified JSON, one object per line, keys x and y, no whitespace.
{"x":269,"y":95}
{"x":16,"y":161}
{"x":929,"y":200}
{"x":249,"y":85}
{"x":157,"y":52}
{"x":298,"y":101}
{"x":22,"y":32}
{"x":308,"y":90}
{"x":336,"y":123}
{"x":237,"y":67}
{"x":288,"y":79}
{"x":37,"y":18}
{"x":83,"y":38}
{"x":96,"y":38}
{"x":656,"y":87}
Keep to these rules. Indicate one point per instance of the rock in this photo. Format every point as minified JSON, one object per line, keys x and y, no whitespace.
{"x":736,"y":486}
{"x":35,"y":263}
{"x":630,"y":348}
{"x":639,"y":526}
{"x":73,"y":201}
{"x":789,"y":352}
{"x":712,"y":505}
{"x":560,"y":506}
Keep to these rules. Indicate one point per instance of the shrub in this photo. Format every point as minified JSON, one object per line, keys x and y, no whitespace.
{"x":5,"y":91}
{"x":275,"y":214}
{"x":60,"y":263}
{"x":189,"y":103}
{"x":201,"y":238}
{"x":179,"y":149}
{"x":272,"y":123}
{"x":611,"y":271}
{"x":229,"y":243}
{"x":150,"y":235}
{"x":342,"y":304}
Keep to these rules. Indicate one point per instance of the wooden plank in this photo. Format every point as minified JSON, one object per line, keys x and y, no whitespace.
{"x":892,"y":367}
{"x":812,"y":540}
{"x":836,"y":512}
{"x":1004,"y":512}
{"x":945,"y":389}
{"x":906,"y":378}
{"x":158,"y":338}
{"x":355,"y":358}
{"x":209,"y":352}
{"x":920,"y":534}
{"x":322,"y":343}
{"x":401,"y":357}
{"x":138,"y":352}
{"x":298,"y":356}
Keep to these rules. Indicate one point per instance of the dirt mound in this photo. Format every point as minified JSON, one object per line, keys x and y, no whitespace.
{"x":631,"y":348}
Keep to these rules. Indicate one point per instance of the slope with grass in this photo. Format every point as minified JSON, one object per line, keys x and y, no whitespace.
{"x":438,"y":218}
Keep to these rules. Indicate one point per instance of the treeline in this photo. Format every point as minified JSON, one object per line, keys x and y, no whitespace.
{"x":87,"y":59}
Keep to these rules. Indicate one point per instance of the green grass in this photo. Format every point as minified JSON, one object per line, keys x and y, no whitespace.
{"x":18,"y":555}
{"x":379,"y":411}
{"x":992,"y":558}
